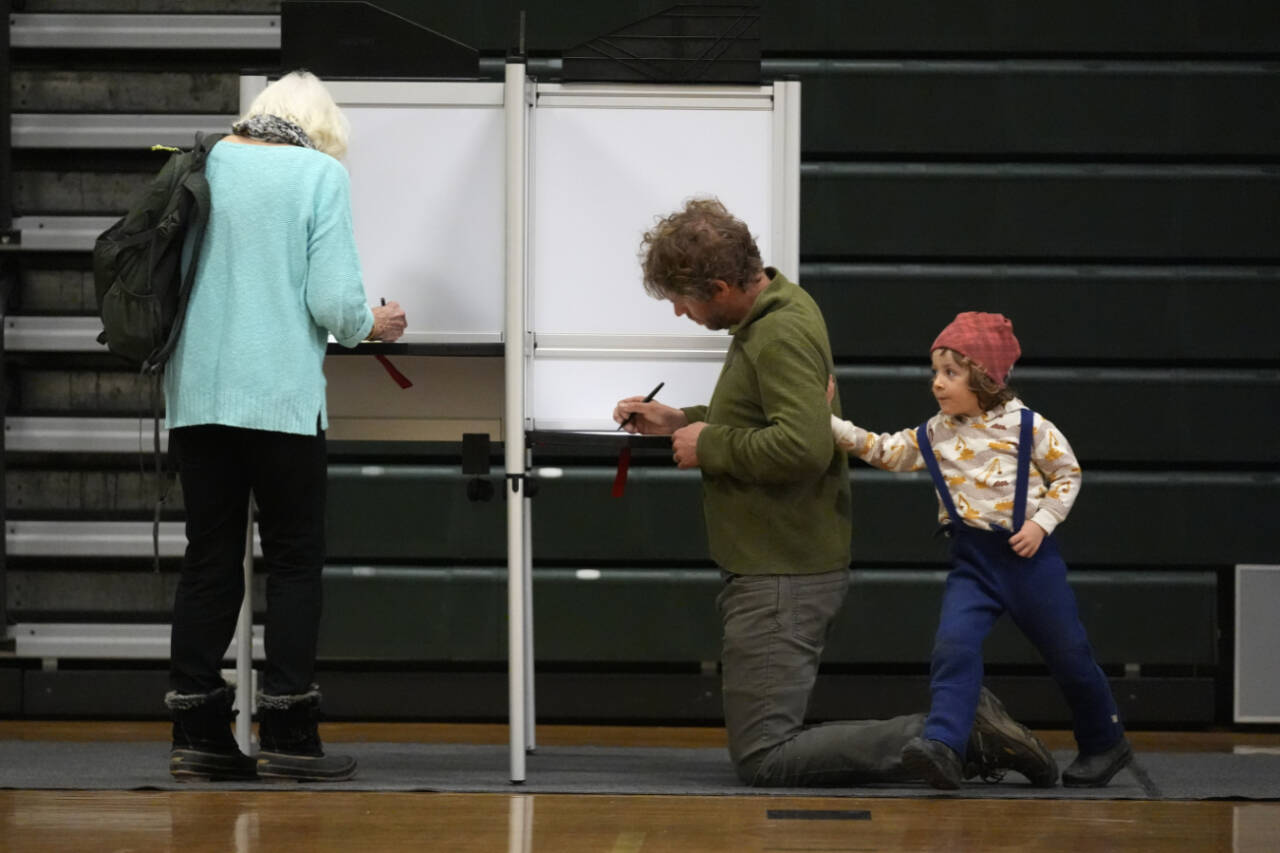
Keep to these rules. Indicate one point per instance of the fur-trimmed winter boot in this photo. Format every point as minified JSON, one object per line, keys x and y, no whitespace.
{"x":290,"y":741}
{"x":203,"y":745}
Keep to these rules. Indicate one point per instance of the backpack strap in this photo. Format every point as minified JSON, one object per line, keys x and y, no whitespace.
{"x":162,"y":491}
{"x":197,"y":184}
{"x":931,"y":461}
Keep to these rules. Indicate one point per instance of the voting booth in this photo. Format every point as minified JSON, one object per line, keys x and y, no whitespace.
{"x":506,"y":219}
{"x":603,"y":163}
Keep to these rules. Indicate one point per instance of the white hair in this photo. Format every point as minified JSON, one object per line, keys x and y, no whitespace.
{"x":301,"y":98}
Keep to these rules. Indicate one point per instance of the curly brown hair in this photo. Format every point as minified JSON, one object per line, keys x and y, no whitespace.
{"x":989,"y":392}
{"x":684,"y":252}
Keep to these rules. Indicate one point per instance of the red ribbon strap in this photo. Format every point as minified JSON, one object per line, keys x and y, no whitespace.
{"x":620,"y":479}
{"x":400,"y":378}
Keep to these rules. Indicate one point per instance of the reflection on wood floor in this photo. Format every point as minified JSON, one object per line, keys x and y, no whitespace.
{"x":283,"y":820}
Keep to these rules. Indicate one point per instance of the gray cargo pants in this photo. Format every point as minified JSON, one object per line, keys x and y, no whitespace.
{"x":775,"y":628}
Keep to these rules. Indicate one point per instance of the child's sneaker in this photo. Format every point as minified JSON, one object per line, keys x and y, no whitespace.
{"x":1095,"y":771}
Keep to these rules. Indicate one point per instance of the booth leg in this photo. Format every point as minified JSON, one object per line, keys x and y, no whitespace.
{"x":244,"y":647}
{"x":519,"y":604}
{"x":530,"y":708}
{"x":516,"y":609}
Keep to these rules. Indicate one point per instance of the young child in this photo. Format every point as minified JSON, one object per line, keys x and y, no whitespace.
{"x":1005,"y":477}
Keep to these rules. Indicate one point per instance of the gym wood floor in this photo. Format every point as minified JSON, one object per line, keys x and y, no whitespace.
{"x":278,"y":819}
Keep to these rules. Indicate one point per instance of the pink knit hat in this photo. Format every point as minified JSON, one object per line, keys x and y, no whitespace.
{"x":983,"y":338}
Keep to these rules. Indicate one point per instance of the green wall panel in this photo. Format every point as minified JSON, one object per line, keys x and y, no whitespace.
{"x":1003,"y":211}
{"x":1137,"y":313}
{"x":621,"y":697}
{"x":1131,"y":617}
{"x":391,"y":511}
{"x":1123,"y":518}
{"x":659,"y":517}
{"x":1017,"y":108}
{"x":836,"y":27}
{"x":414,"y":614}
{"x":1045,"y":27}
{"x":669,"y":616}
{"x":1112,"y":416}
{"x":626,"y":615}
{"x":10,"y":691}
{"x":1158,"y":520}
{"x":422,"y":512}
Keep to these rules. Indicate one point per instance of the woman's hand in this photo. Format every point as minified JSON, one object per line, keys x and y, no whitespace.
{"x":388,"y":322}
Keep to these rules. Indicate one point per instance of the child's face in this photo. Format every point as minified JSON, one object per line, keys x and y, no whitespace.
{"x":951,"y":386}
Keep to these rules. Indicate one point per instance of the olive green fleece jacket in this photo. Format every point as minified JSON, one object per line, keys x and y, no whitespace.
{"x":775,"y":488}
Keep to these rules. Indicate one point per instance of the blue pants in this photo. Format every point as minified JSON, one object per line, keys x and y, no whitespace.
{"x":987,"y":579}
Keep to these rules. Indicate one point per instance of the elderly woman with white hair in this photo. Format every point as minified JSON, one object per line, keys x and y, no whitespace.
{"x":278,"y":273}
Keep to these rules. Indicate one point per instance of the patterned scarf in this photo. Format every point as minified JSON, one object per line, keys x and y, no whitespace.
{"x":269,"y":128}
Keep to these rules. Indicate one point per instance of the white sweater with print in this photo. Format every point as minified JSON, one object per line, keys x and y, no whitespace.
{"x":978,"y":458}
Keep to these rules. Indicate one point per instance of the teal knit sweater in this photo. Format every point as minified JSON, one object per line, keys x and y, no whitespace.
{"x":278,"y":274}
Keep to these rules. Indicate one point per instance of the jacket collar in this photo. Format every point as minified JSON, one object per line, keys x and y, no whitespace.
{"x":770,"y":299}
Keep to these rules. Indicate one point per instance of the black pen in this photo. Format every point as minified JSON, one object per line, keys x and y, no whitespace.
{"x":375,"y":323}
{"x":647,"y":399}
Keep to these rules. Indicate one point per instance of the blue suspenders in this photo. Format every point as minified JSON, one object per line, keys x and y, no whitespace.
{"x":1020,"y":487}
{"x":926,"y":451}
{"x":1024,"y":470}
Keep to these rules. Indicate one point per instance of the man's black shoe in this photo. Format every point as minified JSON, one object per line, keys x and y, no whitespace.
{"x":1095,"y":771}
{"x":998,"y":743}
{"x":934,"y":762}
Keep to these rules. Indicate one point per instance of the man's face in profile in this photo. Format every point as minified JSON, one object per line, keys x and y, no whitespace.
{"x":715,"y":313}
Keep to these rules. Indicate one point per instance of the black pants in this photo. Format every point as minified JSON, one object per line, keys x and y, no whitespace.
{"x":219,"y":466}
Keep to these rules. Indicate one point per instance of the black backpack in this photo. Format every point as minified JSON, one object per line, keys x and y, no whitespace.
{"x":137,"y":277}
{"x":137,"y":262}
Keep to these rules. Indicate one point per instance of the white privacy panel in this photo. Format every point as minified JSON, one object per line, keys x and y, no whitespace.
{"x":602,"y":176}
{"x":427,"y":165}
{"x":606,"y":164}
{"x":580,"y":393}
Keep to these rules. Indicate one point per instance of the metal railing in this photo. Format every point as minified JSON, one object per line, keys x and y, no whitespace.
{"x":151,"y":32}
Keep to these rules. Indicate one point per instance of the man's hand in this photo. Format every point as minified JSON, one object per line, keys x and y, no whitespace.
{"x":1027,"y":541}
{"x":388,"y":322}
{"x":650,"y":418}
{"x":684,"y":445}
{"x":831,"y":388}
